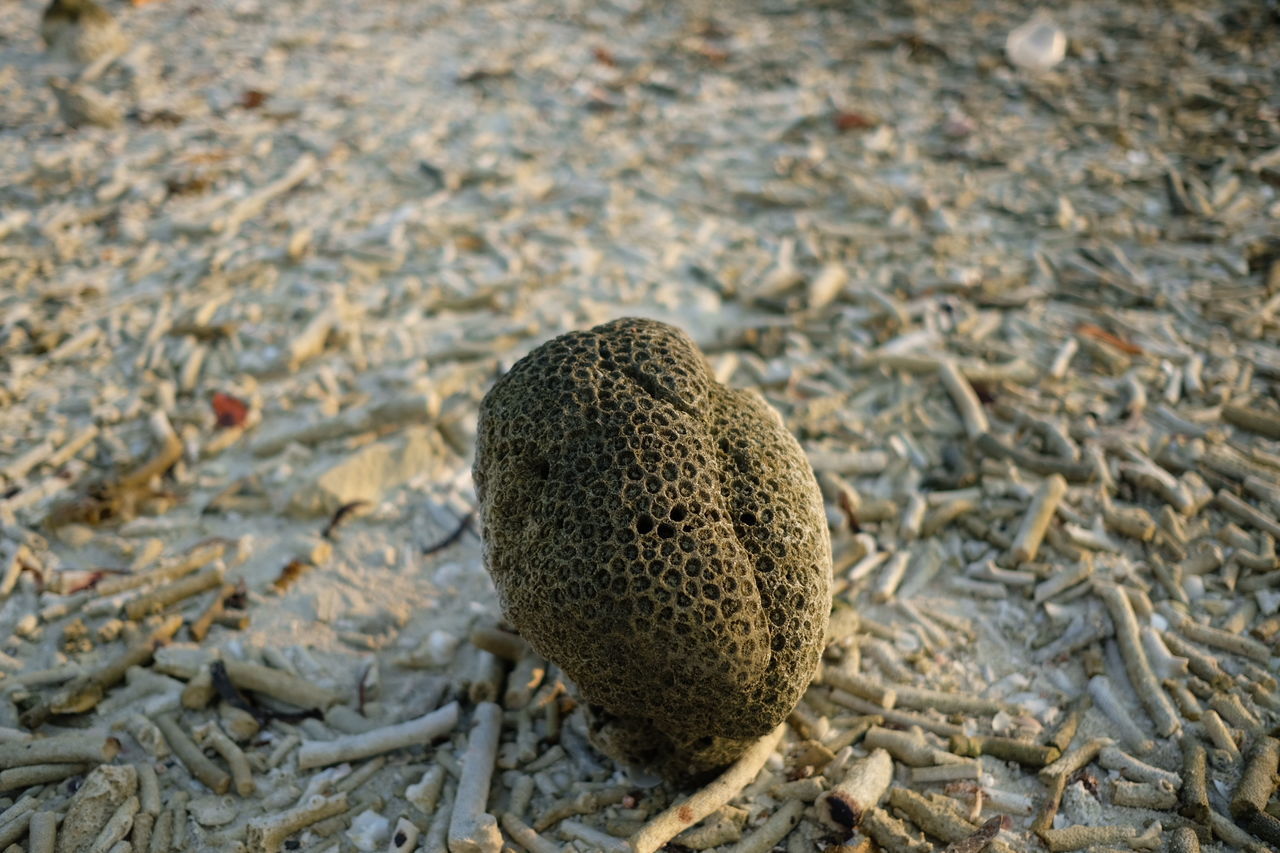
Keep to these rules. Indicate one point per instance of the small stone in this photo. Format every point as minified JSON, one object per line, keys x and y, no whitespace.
{"x":369,"y":831}
{"x":81,"y":30}
{"x":104,"y":789}
{"x":366,"y":474}
{"x":81,"y":105}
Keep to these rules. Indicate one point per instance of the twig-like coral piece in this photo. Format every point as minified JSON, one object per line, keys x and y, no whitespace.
{"x":17,"y":778}
{"x":1144,"y":681}
{"x":62,"y":749}
{"x":43,"y":831}
{"x":910,"y":750}
{"x":947,"y":702}
{"x":891,"y":576}
{"x":14,"y":829}
{"x":902,"y":718}
{"x":1034,"y":524}
{"x":859,"y":685}
{"x":170,"y":452}
{"x":1080,"y":837}
{"x":1073,"y":759}
{"x":935,"y":820}
{"x":1257,"y":782}
{"x":506,"y":645}
{"x":670,"y":823}
{"x":86,"y":691}
{"x":892,"y":835}
{"x":525,"y":836}
{"x":1233,"y":835}
{"x":1253,"y":420}
{"x":773,"y":830}
{"x":1202,"y":665}
{"x":354,"y":747}
{"x":964,"y":398}
{"x":471,"y":828}
{"x":237,"y":762}
{"x":523,"y":679}
{"x":279,"y":684}
{"x":198,"y":556}
{"x":1230,"y":708}
{"x":1247,"y":513}
{"x":1114,"y":758}
{"x":584,"y":803}
{"x":148,"y":788}
{"x":1194,"y":793}
{"x":200,"y":628}
{"x":1066,"y":730}
{"x":116,"y":827}
{"x":1004,"y":748}
{"x":158,"y":599}
{"x":397,"y":410}
{"x":1075,"y":472}
{"x":268,"y":834}
{"x":251,"y":205}
{"x":592,"y":838}
{"x":1105,"y":699}
{"x":1234,"y":643}
{"x":1144,"y":795}
{"x":1219,"y":733}
{"x":862,"y":788}
{"x":211,"y":775}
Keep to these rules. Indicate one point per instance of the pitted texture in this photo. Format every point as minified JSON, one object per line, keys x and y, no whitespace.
{"x":659,"y":536}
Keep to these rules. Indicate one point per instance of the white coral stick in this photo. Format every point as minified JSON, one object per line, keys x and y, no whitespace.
{"x":471,"y":828}
{"x":670,"y":823}
{"x":352,"y":747}
{"x":862,"y":788}
{"x":525,"y":836}
{"x":268,"y":834}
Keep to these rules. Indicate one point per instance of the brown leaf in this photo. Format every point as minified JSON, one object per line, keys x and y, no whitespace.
{"x":711,"y":53}
{"x":983,"y":836}
{"x":604,"y":56}
{"x":293,"y":570}
{"x":230,"y":411}
{"x":1101,"y":334}
{"x":252,"y":99}
{"x":848,"y":120}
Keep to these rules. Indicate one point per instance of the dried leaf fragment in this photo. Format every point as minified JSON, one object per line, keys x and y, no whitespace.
{"x":293,"y":570}
{"x":976,"y":842}
{"x":230,"y":411}
{"x":252,"y":99}
{"x":1100,"y":334}
{"x":846,"y":120}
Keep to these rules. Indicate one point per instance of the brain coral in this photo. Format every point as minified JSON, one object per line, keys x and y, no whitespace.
{"x":659,"y":536}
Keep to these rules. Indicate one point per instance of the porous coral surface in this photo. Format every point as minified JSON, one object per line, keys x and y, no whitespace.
{"x":659,"y":536}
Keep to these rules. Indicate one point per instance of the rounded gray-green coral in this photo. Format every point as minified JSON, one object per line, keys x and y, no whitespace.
{"x":659,"y":536}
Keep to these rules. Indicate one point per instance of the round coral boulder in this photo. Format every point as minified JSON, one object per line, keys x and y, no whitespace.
{"x":660,"y":537}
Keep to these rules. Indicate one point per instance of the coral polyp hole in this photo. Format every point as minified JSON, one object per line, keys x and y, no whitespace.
{"x":644,"y":523}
